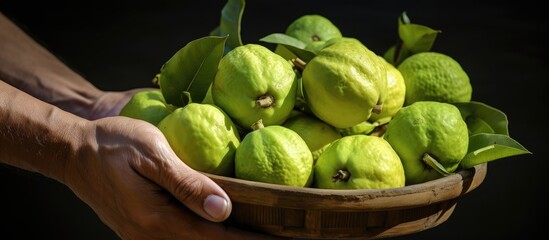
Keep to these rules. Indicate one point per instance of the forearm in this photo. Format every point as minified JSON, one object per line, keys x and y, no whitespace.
{"x":28,"y":66}
{"x":36,"y":136}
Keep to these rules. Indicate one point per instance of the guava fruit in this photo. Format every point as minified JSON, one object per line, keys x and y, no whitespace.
{"x":253,"y":83}
{"x":396,"y":94}
{"x":148,"y":105}
{"x":274,"y":154}
{"x":203,"y":137}
{"x":431,"y":138}
{"x":317,"y":134}
{"x":344,"y":83}
{"x":359,"y":162}
{"x":311,"y":29}
{"x":433,"y":76}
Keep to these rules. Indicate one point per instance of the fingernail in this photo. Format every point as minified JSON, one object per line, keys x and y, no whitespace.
{"x":216,"y":206}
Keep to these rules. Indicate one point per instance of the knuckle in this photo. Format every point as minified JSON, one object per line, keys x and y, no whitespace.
{"x":189,"y":188}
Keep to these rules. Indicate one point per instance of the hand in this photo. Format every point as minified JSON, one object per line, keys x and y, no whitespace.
{"x":124,"y":169}
{"x":138,"y":187}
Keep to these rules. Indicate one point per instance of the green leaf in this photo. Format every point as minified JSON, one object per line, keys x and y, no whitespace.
{"x":417,"y":38}
{"x":396,"y":53}
{"x":486,"y":147}
{"x":300,"y":102}
{"x":284,"y":39}
{"x":413,"y":38}
{"x":216,"y":31}
{"x":477,"y":125}
{"x":402,"y":52}
{"x":295,"y":45}
{"x":230,"y":23}
{"x":433,"y":163}
{"x":482,"y":118}
{"x":191,"y":69}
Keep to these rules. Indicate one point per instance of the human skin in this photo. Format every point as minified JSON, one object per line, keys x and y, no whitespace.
{"x":55,"y":123}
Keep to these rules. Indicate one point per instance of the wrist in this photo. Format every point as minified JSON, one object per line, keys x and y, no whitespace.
{"x":36,"y":136}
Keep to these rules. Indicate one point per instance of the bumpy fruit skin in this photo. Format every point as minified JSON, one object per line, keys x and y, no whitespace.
{"x":317,"y":134}
{"x":370,"y":161}
{"x":432,"y":76}
{"x":396,"y":94}
{"x":313,"y":27}
{"x":274,"y":154}
{"x":203,"y":137}
{"x":148,"y":105}
{"x":249,"y":72}
{"x":344,"y":82}
{"x":435,"y":128}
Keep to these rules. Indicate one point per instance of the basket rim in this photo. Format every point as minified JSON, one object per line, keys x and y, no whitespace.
{"x":282,"y":196}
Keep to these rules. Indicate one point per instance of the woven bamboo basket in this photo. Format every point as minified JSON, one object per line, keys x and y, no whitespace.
{"x":325,"y":213}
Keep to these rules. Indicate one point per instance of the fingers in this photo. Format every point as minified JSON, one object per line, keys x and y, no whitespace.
{"x":196,"y":191}
{"x":200,"y":194}
{"x":159,"y":163}
{"x":142,"y":188}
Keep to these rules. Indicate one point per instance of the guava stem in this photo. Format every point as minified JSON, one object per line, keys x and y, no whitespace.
{"x":341,"y":175}
{"x":265,"y":101}
{"x":315,"y":38}
{"x":379,"y":130}
{"x":258,"y":124}
{"x":299,"y":63}
{"x":377,"y":108}
{"x":156,"y":80}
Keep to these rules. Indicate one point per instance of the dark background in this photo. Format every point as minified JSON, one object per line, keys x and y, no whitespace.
{"x":122,"y":44}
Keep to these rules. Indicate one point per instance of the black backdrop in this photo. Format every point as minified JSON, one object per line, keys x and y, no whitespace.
{"x":122,"y":44}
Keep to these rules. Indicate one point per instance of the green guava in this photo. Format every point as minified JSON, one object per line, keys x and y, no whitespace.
{"x":148,"y":105}
{"x":253,"y":83}
{"x":431,"y":139}
{"x":344,"y":83}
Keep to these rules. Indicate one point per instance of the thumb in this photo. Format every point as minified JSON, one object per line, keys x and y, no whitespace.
{"x":199,"y":193}
{"x":192,"y":188}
